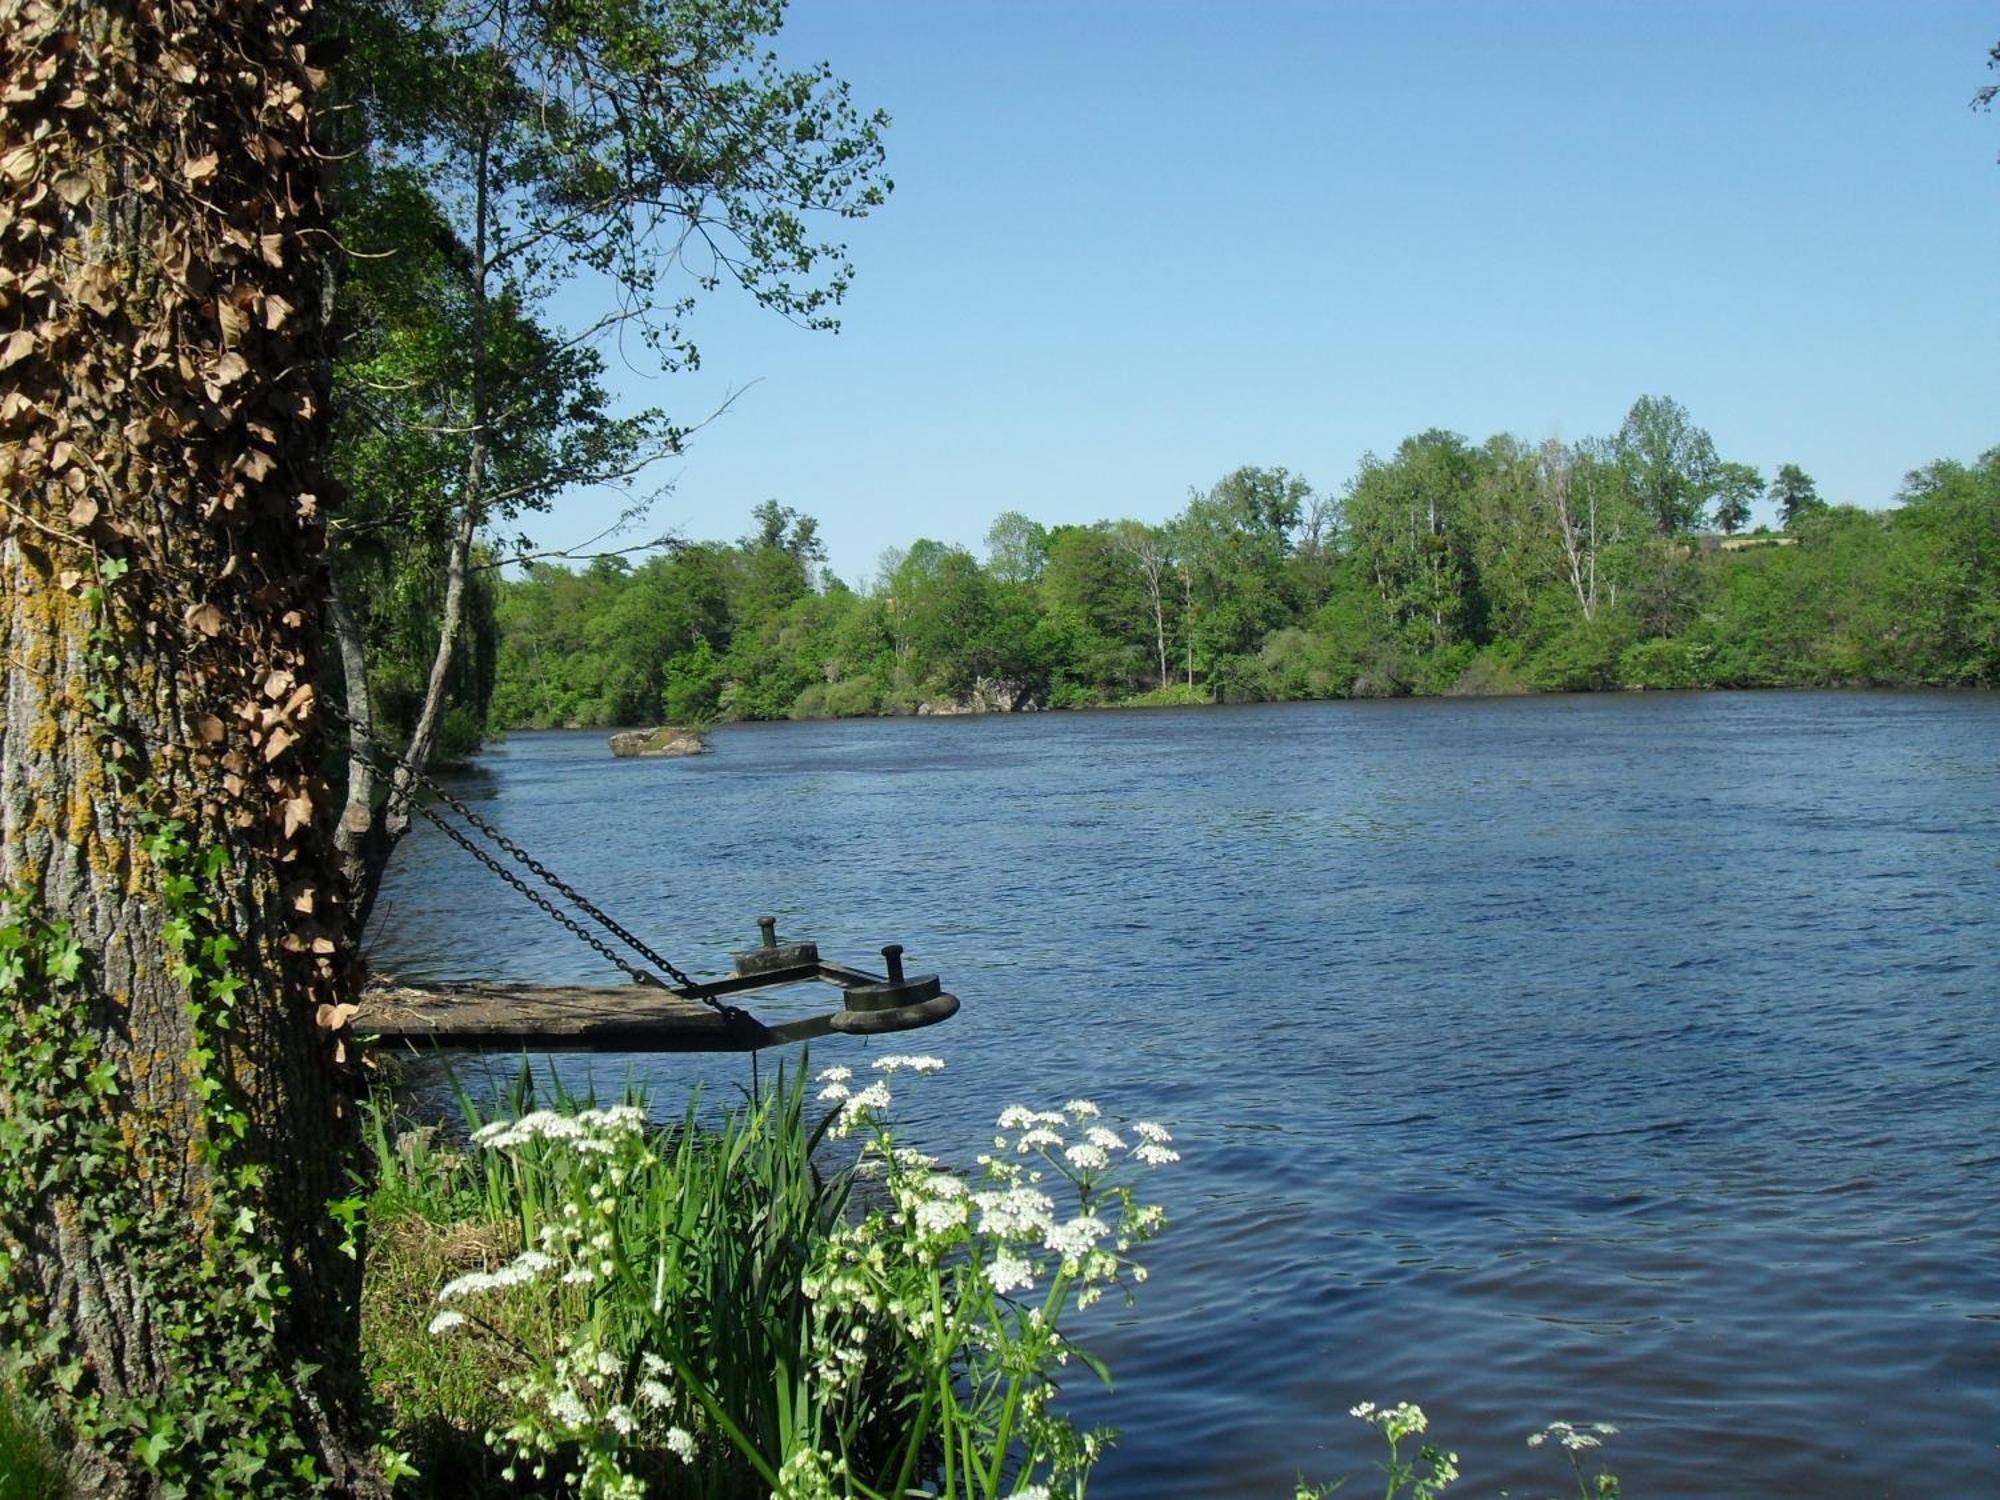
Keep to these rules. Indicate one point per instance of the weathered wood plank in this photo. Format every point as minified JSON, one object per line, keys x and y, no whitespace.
{"x":477,"y":1013}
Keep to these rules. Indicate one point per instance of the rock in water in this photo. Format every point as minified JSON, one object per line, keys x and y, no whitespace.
{"x":650,"y":743}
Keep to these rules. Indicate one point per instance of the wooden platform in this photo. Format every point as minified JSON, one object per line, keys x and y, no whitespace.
{"x":483,"y":1014}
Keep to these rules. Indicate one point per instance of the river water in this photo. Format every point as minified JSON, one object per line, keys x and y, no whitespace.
{"x":1628,"y":1059}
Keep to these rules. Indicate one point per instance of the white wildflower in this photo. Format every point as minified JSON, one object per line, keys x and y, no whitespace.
{"x":1014,"y":1213}
{"x":1086,"y":1158}
{"x":1103,"y":1139}
{"x":874,"y":1097}
{"x":1040,"y":1138}
{"x":1156,"y":1156}
{"x":941,"y":1215}
{"x":444,"y":1322}
{"x":522,"y":1268}
{"x":899,"y":1061}
{"x":1077,"y":1238}
{"x":833,"y":1075}
{"x":681,"y":1444}
{"x":1157,"y":1134}
{"x":1082,"y":1109}
{"x":1006,"y":1273}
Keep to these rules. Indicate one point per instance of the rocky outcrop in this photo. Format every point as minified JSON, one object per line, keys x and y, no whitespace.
{"x":989,"y":695}
{"x":654,"y":743}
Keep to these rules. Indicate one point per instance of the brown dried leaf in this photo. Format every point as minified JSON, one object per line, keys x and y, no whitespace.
{"x":201,"y":168}
{"x":204,"y":617}
{"x":298,"y":814}
{"x":281,"y":740}
{"x":278,"y":684}
{"x":235,"y":322}
{"x":84,"y":511}
{"x":18,"y":165}
{"x":211,"y":729}
{"x":229,"y":369}
{"x":72,"y":189}
{"x":20,"y":344}
{"x":255,"y":464}
{"x":276,"y":310}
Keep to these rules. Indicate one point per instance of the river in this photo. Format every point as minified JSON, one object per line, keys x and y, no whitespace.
{"x":1610,"y":1058}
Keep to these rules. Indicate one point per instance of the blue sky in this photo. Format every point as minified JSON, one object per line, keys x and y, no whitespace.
{"x":1137,"y":243}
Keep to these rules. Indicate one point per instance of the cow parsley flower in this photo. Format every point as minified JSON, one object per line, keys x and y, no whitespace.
{"x":899,"y":1061}
{"x":1006,"y":1273}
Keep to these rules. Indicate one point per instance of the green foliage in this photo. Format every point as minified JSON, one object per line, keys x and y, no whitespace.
{"x":1795,"y":494}
{"x":29,"y":1466}
{"x":491,"y":156}
{"x":1506,"y":567}
{"x":223,"y":1426}
{"x":1669,"y":463}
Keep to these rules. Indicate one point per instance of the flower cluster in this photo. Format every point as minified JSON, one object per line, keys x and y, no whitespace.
{"x":593,"y":1403}
{"x":937,"y":1307}
{"x":1049,"y":1214}
{"x":1426,"y":1476}
{"x":1572,"y":1436}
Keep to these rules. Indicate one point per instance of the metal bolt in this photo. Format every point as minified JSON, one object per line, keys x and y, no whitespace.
{"x":893,"y":956}
{"x":770,"y":928}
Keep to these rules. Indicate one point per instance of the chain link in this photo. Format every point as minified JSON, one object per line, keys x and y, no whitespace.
{"x":541,"y":871}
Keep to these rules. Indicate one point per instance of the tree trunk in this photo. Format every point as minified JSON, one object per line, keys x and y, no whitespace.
{"x":395,"y":820}
{"x":170,"y":1274}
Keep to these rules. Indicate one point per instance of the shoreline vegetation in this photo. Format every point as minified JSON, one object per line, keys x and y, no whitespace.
{"x":1449,"y":568}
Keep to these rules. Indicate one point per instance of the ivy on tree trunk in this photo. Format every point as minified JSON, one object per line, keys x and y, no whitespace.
{"x":174,"y":970}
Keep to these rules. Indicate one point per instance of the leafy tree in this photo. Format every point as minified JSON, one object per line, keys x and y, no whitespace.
{"x":1795,"y":494}
{"x":1669,"y":463}
{"x":1017,"y":549}
{"x":635,"y":140}
{"x":1409,"y":523}
{"x":176,"y":1127}
{"x":1736,"y":485}
{"x":1151,"y":548}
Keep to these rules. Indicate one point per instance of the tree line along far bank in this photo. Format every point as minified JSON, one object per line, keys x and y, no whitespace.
{"x":1447,"y":567}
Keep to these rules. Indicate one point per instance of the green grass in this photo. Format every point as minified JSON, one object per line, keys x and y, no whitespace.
{"x":734,"y":1205}
{"x":30,"y":1468}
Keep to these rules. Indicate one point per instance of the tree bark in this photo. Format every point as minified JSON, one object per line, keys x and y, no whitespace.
{"x":162,"y":449}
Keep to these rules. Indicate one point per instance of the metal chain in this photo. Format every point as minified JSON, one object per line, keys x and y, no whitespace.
{"x":541,"y":871}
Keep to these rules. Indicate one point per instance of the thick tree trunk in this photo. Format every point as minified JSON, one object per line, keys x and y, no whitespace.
{"x":172,"y":1275}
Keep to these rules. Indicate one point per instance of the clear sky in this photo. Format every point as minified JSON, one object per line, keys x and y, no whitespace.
{"x":1137,"y":243}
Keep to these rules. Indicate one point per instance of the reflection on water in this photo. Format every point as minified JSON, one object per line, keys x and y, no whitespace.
{"x":1627,"y":1059}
